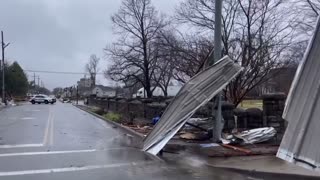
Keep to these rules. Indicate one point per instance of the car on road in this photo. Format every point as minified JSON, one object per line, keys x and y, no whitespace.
{"x":54,"y":99}
{"x":41,"y":98}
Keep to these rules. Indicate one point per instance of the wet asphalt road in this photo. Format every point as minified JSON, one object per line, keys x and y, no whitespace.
{"x":59,"y":141}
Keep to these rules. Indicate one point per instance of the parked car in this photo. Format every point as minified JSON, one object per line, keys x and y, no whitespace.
{"x":42,"y":99}
{"x":66,"y":100}
{"x":53,"y":99}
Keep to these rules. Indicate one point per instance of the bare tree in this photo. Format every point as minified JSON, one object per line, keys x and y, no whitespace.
{"x":256,"y":34}
{"x":305,"y":13}
{"x":186,"y":54}
{"x":135,"y":55}
{"x":92,"y":68}
{"x":164,"y":67}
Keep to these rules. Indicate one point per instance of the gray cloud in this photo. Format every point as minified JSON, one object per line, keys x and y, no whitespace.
{"x":60,"y":35}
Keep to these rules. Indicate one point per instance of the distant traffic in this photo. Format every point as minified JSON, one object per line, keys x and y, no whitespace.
{"x":42,"y":98}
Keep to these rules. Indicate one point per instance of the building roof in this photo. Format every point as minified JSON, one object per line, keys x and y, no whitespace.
{"x":104,"y":88}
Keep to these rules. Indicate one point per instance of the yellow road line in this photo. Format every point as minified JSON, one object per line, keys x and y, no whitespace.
{"x":47,"y":129}
{"x":51,"y":130}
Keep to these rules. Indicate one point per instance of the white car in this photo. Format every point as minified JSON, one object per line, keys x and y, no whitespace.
{"x":42,"y":99}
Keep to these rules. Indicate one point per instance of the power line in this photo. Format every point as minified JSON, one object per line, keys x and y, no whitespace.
{"x":60,"y":72}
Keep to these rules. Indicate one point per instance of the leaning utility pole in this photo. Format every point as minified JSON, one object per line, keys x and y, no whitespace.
{"x":217,"y":55}
{"x":3,"y":46}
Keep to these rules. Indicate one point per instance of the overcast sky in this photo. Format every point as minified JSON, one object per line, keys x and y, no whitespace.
{"x":60,"y":35}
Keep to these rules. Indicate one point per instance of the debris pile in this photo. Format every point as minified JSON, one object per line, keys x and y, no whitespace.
{"x":252,"y":136}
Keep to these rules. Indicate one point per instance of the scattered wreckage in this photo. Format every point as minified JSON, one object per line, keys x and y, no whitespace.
{"x":194,"y":94}
{"x":251,"y":136}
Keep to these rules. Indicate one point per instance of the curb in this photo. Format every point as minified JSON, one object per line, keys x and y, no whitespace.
{"x":124,"y":128}
{"x":264,"y":174}
{"x":2,"y":107}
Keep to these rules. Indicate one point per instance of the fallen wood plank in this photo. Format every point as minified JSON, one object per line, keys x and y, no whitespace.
{"x":247,"y":151}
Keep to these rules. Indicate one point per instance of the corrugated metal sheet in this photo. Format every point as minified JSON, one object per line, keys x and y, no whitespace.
{"x":301,"y":142}
{"x":197,"y":92}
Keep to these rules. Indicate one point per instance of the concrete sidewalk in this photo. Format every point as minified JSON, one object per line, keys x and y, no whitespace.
{"x":261,"y":164}
{"x":250,"y":164}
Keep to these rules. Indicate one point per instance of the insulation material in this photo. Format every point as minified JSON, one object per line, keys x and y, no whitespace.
{"x":300,"y":143}
{"x":194,"y":94}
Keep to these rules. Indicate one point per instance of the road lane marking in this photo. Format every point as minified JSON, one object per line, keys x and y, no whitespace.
{"x":47,"y":129}
{"x":59,"y":152}
{"x":20,"y":145}
{"x":32,"y":110}
{"x":27,"y":118}
{"x":46,"y":153}
{"x":32,"y":145}
{"x":51,"y":130}
{"x":70,"y":169}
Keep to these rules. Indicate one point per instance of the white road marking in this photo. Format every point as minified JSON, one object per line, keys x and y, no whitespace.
{"x":34,"y":110}
{"x":45,"y":153}
{"x":48,"y":138}
{"x":69,"y":169}
{"x":57,"y":152}
{"x":27,"y":118}
{"x":20,"y":145}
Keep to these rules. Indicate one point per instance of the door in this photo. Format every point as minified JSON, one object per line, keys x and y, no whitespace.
{"x":39,"y":99}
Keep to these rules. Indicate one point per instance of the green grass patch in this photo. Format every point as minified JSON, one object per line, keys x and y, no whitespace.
{"x":113,"y":116}
{"x":254,"y":103}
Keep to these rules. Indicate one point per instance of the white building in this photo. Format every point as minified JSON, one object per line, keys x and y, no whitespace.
{"x":84,"y":83}
{"x":171,"y":91}
{"x":103,"y":91}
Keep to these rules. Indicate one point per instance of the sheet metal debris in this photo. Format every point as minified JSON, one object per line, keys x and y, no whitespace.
{"x":194,"y":94}
{"x":258,"y":135}
{"x":252,"y":136}
{"x":300,"y":143}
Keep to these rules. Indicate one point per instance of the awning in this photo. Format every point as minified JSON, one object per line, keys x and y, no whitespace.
{"x":194,"y":94}
{"x":300,"y":143}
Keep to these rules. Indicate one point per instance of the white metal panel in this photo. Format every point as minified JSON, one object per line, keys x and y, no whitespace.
{"x":195,"y":93}
{"x":301,"y":144}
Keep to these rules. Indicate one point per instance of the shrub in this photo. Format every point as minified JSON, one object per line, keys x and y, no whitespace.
{"x":112,"y":116}
{"x":98,"y":111}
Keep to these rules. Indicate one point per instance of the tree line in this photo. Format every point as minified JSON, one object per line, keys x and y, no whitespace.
{"x":260,"y":35}
{"x":16,"y":81}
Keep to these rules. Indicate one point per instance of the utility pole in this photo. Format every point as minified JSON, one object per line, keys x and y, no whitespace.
{"x":77,"y":94}
{"x":218,"y":125}
{"x":38,"y":84}
{"x":34,"y":83}
{"x":3,"y":46}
